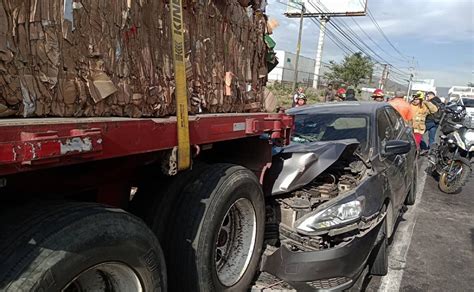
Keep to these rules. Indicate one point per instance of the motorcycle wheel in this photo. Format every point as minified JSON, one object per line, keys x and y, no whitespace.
{"x":448,"y":186}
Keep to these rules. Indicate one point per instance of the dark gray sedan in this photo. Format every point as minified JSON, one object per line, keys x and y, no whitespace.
{"x":336,"y":193}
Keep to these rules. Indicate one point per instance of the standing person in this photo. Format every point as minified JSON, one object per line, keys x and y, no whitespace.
{"x":330,"y":93}
{"x":280,"y":110}
{"x":378,"y":95}
{"x":433,"y":119}
{"x":421,"y":109}
{"x":341,"y":94}
{"x":402,"y":106}
{"x":299,"y":93}
{"x":301,"y":101}
{"x":350,"y":94}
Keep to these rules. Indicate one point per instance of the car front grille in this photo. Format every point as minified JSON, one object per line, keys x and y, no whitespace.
{"x":329,"y":283}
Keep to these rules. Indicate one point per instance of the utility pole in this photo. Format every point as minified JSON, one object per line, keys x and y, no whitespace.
{"x":317,"y":67}
{"x":409,"y":87}
{"x":298,"y":48}
{"x":384,"y":77}
{"x":410,"y":80}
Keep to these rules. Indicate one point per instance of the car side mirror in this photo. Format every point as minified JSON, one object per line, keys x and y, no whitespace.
{"x":395,"y":147}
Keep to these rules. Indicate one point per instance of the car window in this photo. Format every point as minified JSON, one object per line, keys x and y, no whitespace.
{"x":349,"y":123}
{"x":468,"y":102}
{"x":396,"y":120}
{"x":384,"y":127}
{"x":332,"y":127}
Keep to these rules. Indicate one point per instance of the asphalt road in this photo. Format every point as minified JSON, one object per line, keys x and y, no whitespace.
{"x":433,"y":247}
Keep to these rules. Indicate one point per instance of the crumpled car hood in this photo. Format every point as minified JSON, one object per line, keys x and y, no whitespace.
{"x":299,"y":164}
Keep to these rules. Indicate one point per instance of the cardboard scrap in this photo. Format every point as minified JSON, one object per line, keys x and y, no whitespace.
{"x":114,"y":58}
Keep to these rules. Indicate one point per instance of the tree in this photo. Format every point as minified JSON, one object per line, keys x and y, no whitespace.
{"x":470,"y":84}
{"x":352,"y":70}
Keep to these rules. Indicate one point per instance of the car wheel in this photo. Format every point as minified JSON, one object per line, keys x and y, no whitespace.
{"x":380,"y":263}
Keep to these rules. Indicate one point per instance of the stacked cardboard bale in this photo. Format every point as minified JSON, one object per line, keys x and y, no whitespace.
{"x":74,"y":58}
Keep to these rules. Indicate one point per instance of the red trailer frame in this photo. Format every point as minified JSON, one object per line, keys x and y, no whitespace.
{"x":32,"y":144}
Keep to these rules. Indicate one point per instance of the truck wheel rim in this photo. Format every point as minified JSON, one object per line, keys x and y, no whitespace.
{"x":235,"y":242}
{"x":109,"y":276}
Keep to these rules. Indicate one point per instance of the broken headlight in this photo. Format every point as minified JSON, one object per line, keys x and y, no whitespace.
{"x":331,"y":217}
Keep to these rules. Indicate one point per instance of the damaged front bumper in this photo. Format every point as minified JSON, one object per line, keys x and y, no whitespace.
{"x":330,"y":269}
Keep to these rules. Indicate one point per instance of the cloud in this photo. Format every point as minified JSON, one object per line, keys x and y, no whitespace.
{"x":427,"y":20}
{"x":451,"y":20}
{"x":438,"y":33}
{"x":448,"y":77}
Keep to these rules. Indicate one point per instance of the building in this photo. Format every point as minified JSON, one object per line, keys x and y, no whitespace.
{"x":285,"y":71}
{"x":423,"y":85}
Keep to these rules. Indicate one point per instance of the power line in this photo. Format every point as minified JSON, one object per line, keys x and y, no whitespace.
{"x":377,"y":58}
{"x":374,"y":21}
{"x":352,"y":39}
{"x":355,"y":40}
{"x":334,"y":39}
{"x":374,"y":42}
{"x":381,"y":60}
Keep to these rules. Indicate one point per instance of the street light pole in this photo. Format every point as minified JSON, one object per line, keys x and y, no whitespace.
{"x":298,"y":48}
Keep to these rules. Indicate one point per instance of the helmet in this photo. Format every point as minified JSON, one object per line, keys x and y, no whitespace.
{"x":377,"y":93}
{"x":301,"y":96}
{"x":341,"y":91}
{"x":420,"y":95}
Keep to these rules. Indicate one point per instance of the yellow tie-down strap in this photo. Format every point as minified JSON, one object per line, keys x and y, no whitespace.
{"x":182,"y":123}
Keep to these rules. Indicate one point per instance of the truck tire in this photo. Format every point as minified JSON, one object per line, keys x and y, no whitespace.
{"x":155,"y":202}
{"x":78,"y":247}
{"x":217,"y":236}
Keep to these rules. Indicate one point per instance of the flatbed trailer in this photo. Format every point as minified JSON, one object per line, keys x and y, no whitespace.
{"x":32,"y":144}
{"x":70,"y":186}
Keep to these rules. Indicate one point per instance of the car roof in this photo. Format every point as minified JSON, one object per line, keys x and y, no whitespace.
{"x":348,"y":107}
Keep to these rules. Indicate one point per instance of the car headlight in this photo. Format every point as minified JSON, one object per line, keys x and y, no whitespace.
{"x":469,"y":137}
{"x":332,"y":217}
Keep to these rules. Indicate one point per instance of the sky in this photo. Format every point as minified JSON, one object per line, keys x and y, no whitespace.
{"x":435,"y":37}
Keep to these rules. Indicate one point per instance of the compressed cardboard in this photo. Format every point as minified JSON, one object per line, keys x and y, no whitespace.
{"x":75,"y":58}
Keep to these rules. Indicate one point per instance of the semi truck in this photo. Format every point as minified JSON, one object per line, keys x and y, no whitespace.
{"x":90,"y":204}
{"x":136,"y":204}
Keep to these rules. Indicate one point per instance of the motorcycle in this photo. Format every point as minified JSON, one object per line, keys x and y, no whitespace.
{"x":451,"y":157}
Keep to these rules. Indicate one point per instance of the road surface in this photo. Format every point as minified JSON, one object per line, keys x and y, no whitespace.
{"x":433,"y":247}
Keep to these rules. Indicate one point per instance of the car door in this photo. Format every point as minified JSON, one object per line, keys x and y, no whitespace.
{"x":405,"y":133}
{"x":394,"y":166}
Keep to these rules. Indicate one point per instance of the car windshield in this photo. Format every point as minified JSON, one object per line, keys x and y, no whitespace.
{"x":331,"y":127}
{"x":468,"y":102}
{"x":453,"y":96}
